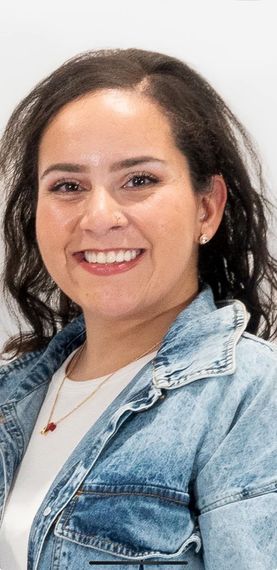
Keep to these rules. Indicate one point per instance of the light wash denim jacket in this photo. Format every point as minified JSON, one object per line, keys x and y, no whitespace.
{"x":180,"y":468}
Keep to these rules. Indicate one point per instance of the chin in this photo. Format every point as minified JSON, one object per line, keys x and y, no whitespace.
{"x":113,"y":309}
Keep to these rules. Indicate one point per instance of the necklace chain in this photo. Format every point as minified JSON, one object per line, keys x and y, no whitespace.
{"x":51,"y":425}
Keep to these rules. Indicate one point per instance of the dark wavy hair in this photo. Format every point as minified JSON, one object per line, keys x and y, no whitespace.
{"x":236,"y":262}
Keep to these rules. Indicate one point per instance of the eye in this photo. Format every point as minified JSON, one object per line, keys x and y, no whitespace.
{"x":140,"y":180}
{"x":66,"y":186}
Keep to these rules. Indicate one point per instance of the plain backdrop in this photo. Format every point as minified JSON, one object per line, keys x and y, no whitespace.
{"x":231,"y":42}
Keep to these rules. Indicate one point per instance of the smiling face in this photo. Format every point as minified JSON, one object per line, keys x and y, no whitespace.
{"x":113,"y":183}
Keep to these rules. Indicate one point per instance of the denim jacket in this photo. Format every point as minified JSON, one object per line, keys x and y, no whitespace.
{"x":180,"y":468}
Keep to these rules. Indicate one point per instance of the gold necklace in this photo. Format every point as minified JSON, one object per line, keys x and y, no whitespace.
{"x":51,"y":425}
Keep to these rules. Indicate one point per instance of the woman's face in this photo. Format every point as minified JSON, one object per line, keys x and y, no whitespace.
{"x":112,"y":183}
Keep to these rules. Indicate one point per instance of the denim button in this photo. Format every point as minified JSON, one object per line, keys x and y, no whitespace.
{"x":47,"y":511}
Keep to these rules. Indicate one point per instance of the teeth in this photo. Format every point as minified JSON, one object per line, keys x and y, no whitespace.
{"x":127,"y":256}
{"x":101,"y":258}
{"x":111,"y":256}
{"x":119,"y":256}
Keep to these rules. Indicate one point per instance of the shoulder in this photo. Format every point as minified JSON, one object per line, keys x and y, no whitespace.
{"x":41,"y":364}
{"x":13,"y":372}
{"x":20,"y":363}
{"x":255,"y":371}
{"x":256,"y":355}
{"x":263,"y":346}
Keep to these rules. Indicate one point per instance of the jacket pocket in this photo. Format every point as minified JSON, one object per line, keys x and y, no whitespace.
{"x":130,"y":521}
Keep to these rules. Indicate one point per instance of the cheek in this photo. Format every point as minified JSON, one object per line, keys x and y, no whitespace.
{"x":174,"y":227}
{"x":51,"y":224}
{"x":51,"y":240}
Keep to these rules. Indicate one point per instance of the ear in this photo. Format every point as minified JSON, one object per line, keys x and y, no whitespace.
{"x":211,"y":207}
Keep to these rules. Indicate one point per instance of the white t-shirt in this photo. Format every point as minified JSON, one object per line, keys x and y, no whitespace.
{"x":46,"y":454}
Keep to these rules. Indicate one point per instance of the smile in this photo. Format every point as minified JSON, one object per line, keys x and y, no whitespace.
{"x":109,"y":262}
{"x":111,"y":256}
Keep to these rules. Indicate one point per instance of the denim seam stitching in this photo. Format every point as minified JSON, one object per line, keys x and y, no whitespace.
{"x":237,"y":497}
{"x":111,"y":546}
{"x":103,"y":493}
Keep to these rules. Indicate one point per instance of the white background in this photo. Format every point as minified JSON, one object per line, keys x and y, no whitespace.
{"x":231,"y":42}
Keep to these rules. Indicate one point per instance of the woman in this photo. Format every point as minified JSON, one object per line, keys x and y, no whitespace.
{"x":135,"y":249}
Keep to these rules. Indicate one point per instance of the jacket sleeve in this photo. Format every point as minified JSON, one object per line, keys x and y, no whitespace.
{"x":237,"y":488}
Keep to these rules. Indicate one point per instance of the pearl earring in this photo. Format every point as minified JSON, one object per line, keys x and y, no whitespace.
{"x":203,"y":239}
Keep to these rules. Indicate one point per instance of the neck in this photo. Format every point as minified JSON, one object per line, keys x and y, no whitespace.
{"x":112,"y":345}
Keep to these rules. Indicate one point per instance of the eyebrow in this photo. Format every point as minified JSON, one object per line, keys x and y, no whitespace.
{"x":126,"y":163}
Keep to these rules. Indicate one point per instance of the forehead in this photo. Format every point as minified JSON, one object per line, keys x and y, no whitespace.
{"x":109,"y":119}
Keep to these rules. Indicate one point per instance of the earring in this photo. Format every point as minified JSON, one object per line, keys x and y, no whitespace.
{"x":203,"y":239}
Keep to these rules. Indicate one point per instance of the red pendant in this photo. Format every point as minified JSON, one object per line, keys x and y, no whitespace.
{"x":50,"y":427}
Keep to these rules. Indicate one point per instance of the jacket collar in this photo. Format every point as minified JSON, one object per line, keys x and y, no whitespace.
{"x":200,"y":343}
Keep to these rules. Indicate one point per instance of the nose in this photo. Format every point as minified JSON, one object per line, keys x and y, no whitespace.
{"x":102,"y":213}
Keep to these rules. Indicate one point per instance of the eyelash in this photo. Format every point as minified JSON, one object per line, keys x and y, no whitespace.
{"x":63,"y":183}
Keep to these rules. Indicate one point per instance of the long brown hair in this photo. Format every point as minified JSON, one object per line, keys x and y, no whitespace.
{"x":236,"y":262}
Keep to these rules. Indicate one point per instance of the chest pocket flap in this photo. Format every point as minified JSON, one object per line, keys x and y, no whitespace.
{"x":129,"y":520}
